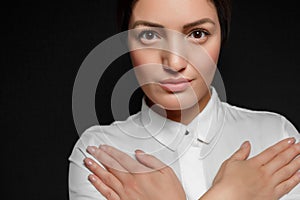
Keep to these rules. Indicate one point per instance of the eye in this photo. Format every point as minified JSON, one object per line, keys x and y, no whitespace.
{"x":148,"y":36}
{"x":199,"y":35}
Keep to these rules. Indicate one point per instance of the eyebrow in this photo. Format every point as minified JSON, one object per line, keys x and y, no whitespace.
{"x":199,"y":22}
{"x":145,"y":23}
{"x":186,"y":26}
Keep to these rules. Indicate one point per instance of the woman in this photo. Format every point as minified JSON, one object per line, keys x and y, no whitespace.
{"x":175,"y":46}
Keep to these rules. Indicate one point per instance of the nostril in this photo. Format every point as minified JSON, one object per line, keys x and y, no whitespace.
{"x":169,"y":69}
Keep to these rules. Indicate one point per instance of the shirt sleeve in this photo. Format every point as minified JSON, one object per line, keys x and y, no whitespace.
{"x":79,"y":186}
{"x":289,"y":130}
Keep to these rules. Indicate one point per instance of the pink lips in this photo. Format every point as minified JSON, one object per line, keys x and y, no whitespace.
{"x":175,"y":85}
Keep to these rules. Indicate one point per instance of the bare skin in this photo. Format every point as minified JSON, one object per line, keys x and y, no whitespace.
{"x":197,"y":21}
{"x":267,"y":176}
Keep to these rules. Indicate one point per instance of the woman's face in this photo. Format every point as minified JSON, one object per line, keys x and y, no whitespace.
{"x":175,"y":47}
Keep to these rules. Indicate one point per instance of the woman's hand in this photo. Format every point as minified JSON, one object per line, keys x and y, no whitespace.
{"x":127,"y":179}
{"x":267,"y":176}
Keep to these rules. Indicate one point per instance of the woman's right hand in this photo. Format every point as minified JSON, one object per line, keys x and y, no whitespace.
{"x":267,"y":176}
{"x":125,"y":178}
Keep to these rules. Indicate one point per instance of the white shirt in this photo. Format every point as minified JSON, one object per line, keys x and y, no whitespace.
{"x":195,"y":152}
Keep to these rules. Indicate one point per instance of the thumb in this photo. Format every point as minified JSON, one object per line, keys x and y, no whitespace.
{"x":242,"y":153}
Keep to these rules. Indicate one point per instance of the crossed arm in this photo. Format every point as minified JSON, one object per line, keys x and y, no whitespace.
{"x":267,"y":176}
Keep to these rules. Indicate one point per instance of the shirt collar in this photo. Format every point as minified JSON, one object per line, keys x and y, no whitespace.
{"x":204,"y":124}
{"x":170,"y":133}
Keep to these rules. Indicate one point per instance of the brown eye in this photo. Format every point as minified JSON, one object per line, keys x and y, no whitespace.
{"x":148,"y":37}
{"x":198,"y":34}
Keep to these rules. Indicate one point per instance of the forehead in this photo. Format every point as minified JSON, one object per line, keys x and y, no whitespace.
{"x":173,"y":12}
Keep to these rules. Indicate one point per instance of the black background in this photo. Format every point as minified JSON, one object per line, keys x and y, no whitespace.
{"x":44,"y":44}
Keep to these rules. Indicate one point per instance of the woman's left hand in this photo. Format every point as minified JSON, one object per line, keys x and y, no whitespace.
{"x":125,"y":178}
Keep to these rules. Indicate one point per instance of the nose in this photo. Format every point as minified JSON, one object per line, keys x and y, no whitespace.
{"x":173,"y":63}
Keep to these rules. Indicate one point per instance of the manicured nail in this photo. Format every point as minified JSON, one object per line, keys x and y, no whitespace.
{"x":291,"y":140}
{"x":139,"y":152}
{"x":88,"y":162}
{"x":245,"y":145}
{"x":103,"y":147}
{"x":91,"y":149}
{"x":92,"y":178}
{"x":298,"y":175}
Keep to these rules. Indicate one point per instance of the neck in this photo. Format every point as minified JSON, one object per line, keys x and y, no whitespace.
{"x":183,"y":116}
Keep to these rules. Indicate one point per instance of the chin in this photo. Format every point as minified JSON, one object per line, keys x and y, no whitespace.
{"x":174,"y":101}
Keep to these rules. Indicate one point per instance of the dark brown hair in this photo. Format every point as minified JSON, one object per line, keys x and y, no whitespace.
{"x":223,"y":8}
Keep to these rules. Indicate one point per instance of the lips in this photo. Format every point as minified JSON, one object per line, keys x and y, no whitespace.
{"x":175,"y":85}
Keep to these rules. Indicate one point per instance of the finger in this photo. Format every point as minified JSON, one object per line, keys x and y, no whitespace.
{"x":149,"y":161}
{"x":286,"y":172}
{"x":286,"y":186}
{"x":106,"y":191}
{"x":109,"y":163}
{"x":124,"y":160}
{"x":242,"y":153}
{"x":272,"y":151}
{"x":106,"y":177}
{"x":282,"y":159}
{"x":105,"y":159}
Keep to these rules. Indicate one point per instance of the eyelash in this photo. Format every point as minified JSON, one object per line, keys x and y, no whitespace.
{"x":203,"y":31}
{"x":141,"y":35}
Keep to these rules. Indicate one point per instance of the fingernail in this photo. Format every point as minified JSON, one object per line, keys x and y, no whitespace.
{"x":92,"y":178}
{"x":91,"y":149}
{"x":139,"y":152}
{"x":245,"y":145}
{"x":292,"y":140}
{"x":298,"y":175}
{"x":103,"y":147}
{"x":88,"y":162}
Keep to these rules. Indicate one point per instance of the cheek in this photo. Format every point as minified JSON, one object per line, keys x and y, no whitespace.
{"x":145,"y":56}
{"x":214,"y":49}
{"x":205,"y":63}
{"x":214,"y":54}
{"x":147,"y":66}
